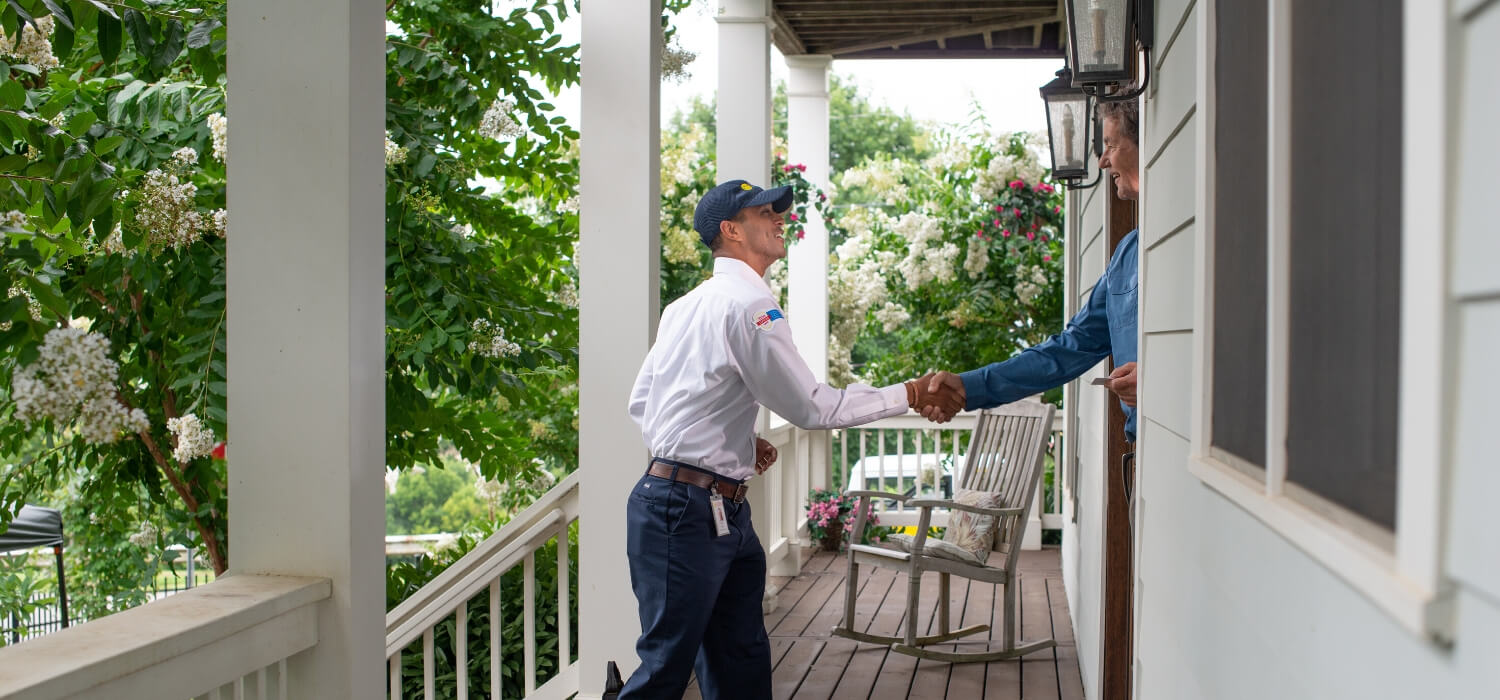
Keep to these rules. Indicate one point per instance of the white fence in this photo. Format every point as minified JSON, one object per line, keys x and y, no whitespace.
{"x":479,"y":573}
{"x":908,"y":454}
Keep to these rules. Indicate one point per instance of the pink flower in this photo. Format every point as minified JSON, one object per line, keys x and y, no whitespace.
{"x":1005,"y":234}
{"x":997,"y":223}
{"x":801,"y":168}
{"x":1044,"y":239}
{"x":801,"y":235}
{"x":1017,"y":211}
{"x":1016,"y":184}
{"x":786,"y":168}
{"x":1046,"y":258}
{"x":822,"y":196}
{"x":999,"y":207}
{"x":1030,"y":236}
{"x":979,"y":233}
{"x":793,"y":217}
{"x":218,"y":452}
{"x":1057,"y":209}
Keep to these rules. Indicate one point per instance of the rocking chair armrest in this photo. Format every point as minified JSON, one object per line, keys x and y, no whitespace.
{"x":875,"y":494}
{"x":978,"y":510}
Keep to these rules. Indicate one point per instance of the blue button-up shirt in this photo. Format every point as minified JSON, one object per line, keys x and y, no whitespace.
{"x":1105,"y":325}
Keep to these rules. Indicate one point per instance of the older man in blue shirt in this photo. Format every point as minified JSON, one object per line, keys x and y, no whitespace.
{"x":1105,"y":326}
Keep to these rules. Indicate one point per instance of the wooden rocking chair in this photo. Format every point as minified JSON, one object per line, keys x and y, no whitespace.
{"x":1005,"y":458}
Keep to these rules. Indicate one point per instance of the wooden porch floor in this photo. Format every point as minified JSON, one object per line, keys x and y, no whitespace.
{"x":810,"y":663}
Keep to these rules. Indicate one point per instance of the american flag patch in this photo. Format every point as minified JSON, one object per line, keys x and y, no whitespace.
{"x":766,"y":320}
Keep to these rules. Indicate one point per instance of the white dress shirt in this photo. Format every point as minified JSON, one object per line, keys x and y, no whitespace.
{"x":722,"y":349}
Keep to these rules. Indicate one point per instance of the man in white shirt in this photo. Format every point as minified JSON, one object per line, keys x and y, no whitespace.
{"x":722,"y":351}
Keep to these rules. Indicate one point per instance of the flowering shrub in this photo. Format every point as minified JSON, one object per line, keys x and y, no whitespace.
{"x":113,"y":142}
{"x":832,"y":511}
{"x":950,"y":263}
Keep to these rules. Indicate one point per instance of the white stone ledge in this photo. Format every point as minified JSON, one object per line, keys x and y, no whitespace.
{"x":180,"y":646}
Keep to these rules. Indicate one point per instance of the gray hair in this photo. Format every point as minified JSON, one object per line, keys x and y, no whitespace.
{"x":1126,"y":113}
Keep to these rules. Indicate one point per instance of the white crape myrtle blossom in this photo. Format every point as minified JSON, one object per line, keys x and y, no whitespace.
{"x":394,"y":154}
{"x":218,"y":128}
{"x":497,"y":123}
{"x":1032,"y":280}
{"x":489,"y":341}
{"x":882,"y":177}
{"x":166,"y":212}
{"x":115,"y":242}
{"x":928,"y":258}
{"x":1004,"y":169}
{"x":675,"y":60}
{"x":194,"y":439}
{"x":892,"y":316}
{"x":978,"y":258}
{"x":34,"y":47}
{"x":185,"y":156}
{"x":567,"y":295}
{"x":776,"y":279}
{"x":15,"y":219}
{"x":73,"y":379}
{"x":146,"y":536}
{"x":219,"y":222}
{"x":679,"y":245}
{"x":954,"y":156}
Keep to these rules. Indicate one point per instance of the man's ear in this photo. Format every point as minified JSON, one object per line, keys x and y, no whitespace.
{"x":725,"y":227}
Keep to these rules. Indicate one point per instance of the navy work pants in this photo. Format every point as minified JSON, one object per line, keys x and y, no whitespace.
{"x":699,"y":596}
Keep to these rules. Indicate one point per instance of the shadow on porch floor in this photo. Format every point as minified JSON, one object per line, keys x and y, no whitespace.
{"x":810,"y":663}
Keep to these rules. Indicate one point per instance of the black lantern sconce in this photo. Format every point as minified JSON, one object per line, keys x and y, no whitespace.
{"x":1102,"y":37}
{"x":1072,"y":127}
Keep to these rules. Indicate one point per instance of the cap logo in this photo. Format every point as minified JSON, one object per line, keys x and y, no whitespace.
{"x":744,"y":185}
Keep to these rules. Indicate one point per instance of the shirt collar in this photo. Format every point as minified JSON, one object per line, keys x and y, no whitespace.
{"x":735,"y":267}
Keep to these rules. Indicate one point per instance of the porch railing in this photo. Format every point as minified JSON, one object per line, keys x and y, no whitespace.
{"x":479,"y":573}
{"x":908,"y":454}
{"x":228,"y":639}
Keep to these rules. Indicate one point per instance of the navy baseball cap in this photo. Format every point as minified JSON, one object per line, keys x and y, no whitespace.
{"x":723,"y":202}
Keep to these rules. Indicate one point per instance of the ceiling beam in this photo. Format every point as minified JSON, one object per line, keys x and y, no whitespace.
{"x":925,"y":35}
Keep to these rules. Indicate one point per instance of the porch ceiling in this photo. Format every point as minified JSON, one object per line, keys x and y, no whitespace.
{"x":919,"y":28}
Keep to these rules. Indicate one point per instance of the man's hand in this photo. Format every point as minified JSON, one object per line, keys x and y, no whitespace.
{"x":1122,"y":383}
{"x":937,"y":396}
{"x":765,"y":455}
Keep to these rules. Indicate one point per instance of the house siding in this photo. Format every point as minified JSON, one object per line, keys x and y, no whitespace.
{"x":1226,"y":607}
{"x":1083,"y":541}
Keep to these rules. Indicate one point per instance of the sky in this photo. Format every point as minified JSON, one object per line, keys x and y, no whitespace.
{"x":939,"y":92}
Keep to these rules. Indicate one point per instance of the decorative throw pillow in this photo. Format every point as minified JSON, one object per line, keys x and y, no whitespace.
{"x":939,"y":548}
{"x":972,"y":532}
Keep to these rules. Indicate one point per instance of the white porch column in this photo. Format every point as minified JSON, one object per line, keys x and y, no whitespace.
{"x":744,"y":152}
{"x":620,"y":239}
{"x":744,"y":98}
{"x":306,"y":320}
{"x":807,"y":263}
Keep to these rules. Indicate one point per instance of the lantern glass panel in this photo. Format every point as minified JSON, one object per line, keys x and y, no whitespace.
{"x":1068,"y":125}
{"x":1100,"y":39}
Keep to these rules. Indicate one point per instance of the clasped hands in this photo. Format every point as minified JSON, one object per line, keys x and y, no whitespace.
{"x":938,"y":396}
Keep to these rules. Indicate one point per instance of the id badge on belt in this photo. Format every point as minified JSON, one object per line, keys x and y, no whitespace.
{"x":716,"y":504}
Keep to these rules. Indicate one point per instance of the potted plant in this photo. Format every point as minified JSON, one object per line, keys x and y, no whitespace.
{"x":830,"y":514}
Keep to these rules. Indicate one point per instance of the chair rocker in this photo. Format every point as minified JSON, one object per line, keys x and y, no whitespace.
{"x":1004,"y":464}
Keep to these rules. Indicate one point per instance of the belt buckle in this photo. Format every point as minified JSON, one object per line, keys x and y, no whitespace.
{"x":739,"y":493}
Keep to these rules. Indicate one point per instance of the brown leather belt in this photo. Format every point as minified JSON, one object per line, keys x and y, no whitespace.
{"x":726,"y":488}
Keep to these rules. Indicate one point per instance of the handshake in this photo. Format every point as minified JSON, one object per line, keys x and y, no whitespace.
{"x":936,"y":395}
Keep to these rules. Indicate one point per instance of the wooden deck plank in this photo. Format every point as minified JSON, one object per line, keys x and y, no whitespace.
{"x":899,"y":672}
{"x":967,"y":680}
{"x":1069,"y":673}
{"x":793,"y":668}
{"x":1038,"y":669}
{"x":812,"y":665}
{"x":834,"y":664}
